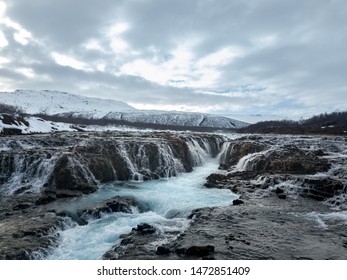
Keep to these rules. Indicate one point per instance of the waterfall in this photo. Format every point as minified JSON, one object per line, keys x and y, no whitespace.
{"x":169,"y":201}
{"x":203,"y":148}
{"x":26,"y":171}
{"x":65,"y":163}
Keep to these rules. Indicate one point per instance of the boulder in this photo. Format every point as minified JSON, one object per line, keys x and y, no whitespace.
{"x":163,"y":250}
{"x":199,"y":251}
{"x":238,"y":202}
{"x":115,"y":204}
{"x":69,"y":178}
{"x":145,"y":229}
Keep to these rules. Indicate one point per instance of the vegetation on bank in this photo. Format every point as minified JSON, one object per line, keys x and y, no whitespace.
{"x":332,"y":124}
{"x":9,"y":109}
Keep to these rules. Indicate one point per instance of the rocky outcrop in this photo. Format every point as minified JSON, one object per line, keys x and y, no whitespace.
{"x":321,"y":188}
{"x":259,"y":156}
{"x":139,"y":237}
{"x":288,"y":159}
{"x":116,"y":204}
{"x":28,"y":235}
{"x":259,"y":165}
{"x":239,"y":149}
{"x":69,"y":178}
{"x":268,"y":228}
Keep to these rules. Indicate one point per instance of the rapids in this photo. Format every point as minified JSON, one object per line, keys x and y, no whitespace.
{"x":169,"y":201}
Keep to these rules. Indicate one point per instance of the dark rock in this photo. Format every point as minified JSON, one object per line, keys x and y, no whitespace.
{"x":126,"y":241}
{"x":22,"y":206}
{"x":24,"y":235}
{"x":22,"y":189}
{"x":282,"y":196}
{"x":209,"y":258}
{"x":279,"y":190}
{"x":11,"y":131}
{"x":135,"y":245}
{"x":289,"y":159}
{"x":238,"y":202}
{"x":282,"y":159}
{"x":115,"y":204}
{"x":45,"y":199}
{"x":162,"y":250}
{"x":145,"y":229}
{"x":321,"y":188}
{"x":180,"y":251}
{"x":70,"y":178}
{"x":319,"y":153}
{"x":199,"y":251}
{"x":73,"y":216}
{"x":238,"y":150}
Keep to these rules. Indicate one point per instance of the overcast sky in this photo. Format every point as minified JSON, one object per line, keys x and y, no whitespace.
{"x":284,"y":57}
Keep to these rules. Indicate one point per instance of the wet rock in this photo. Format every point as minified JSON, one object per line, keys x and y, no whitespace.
{"x":321,"y":188}
{"x":238,"y":202}
{"x":136,"y":244}
{"x":22,"y":206}
{"x":163,"y":250}
{"x":279,"y":190}
{"x":76,"y":217}
{"x":126,"y":241}
{"x":28,"y":235}
{"x":181,"y":251}
{"x":282,"y":196}
{"x":239,"y":149}
{"x":145,"y":229}
{"x":199,"y":251}
{"x":116,"y":204}
{"x":279,"y":159}
{"x":69,"y":178}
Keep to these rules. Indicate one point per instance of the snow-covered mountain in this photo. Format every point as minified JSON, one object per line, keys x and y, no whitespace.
{"x":67,"y":104}
{"x":54,"y":102}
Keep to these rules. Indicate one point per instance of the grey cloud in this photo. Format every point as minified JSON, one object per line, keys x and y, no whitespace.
{"x":63,"y":23}
{"x":304,"y":67}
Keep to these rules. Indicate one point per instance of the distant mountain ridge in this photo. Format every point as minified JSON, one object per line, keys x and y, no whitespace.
{"x":62,"y":104}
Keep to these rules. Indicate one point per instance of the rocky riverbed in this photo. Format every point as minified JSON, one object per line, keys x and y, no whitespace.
{"x":37,"y":171}
{"x":291,"y":204}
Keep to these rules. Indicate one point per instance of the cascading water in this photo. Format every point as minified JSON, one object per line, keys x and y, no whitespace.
{"x":29,"y":165}
{"x":44,"y":169}
{"x":244,"y":163}
{"x":168,"y":202}
{"x":30,"y":171}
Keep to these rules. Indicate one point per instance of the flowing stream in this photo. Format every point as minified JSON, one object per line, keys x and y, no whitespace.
{"x":169,"y":202}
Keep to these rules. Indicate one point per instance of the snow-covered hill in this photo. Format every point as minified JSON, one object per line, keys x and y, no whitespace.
{"x":254,"y":118}
{"x":54,"y":102}
{"x":66,"y":104}
{"x":177,"y":119}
